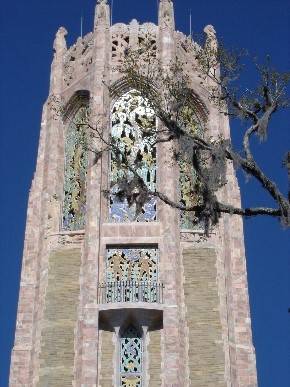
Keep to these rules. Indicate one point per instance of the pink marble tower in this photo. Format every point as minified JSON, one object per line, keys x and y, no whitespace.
{"x":108,"y":298}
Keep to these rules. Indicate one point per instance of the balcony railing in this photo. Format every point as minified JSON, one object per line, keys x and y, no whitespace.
{"x":130,"y":291}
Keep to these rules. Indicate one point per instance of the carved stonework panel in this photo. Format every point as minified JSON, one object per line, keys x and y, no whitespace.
{"x":76,"y":164}
{"x":78,"y":59}
{"x":131,"y":355}
{"x":147,"y":39}
{"x":132,"y":120}
{"x":120,"y":42}
{"x":132,"y":264}
{"x":187,"y":50}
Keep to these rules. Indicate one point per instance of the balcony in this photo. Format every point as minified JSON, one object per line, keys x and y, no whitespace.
{"x":131,"y":292}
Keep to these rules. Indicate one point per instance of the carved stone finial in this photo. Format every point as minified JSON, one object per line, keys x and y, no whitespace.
{"x":211,"y":39}
{"x":166,"y":14}
{"x":209,"y":30}
{"x":134,"y":22}
{"x":102,"y":15}
{"x":59,"y":44}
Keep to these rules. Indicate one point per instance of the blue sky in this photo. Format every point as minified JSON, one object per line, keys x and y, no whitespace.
{"x":27,"y":30}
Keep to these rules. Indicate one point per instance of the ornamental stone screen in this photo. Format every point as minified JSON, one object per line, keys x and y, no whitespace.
{"x":111,"y":294}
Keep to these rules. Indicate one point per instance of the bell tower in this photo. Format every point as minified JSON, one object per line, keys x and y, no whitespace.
{"x":111,"y":295}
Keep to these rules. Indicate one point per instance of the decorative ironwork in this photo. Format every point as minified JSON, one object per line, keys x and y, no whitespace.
{"x":188,"y":179}
{"x":132,"y":264}
{"x":131,"y":365}
{"x":133,"y":122}
{"x":131,"y":276}
{"x":130,"y":291}
{"x":76,"y":164}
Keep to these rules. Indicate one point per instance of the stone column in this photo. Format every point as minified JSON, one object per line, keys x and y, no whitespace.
{"x":56,"y":76}
{"x":88,"y":332}
{"x":173,"y":360}
{"x":21,"y":369}
{"x":241,"y":349}
{"x":45,"y":186}
{"x":134,"y":32}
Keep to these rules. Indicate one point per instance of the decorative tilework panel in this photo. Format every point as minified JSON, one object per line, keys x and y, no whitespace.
{"x":132,"y":264}
{"x":131,"y":365}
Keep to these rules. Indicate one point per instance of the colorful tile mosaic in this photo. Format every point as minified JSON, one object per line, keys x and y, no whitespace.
{"x":131,"y":365}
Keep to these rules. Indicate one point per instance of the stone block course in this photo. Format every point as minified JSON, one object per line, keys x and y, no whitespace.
{"x":206,"y":356}
{"x":60,"y":316}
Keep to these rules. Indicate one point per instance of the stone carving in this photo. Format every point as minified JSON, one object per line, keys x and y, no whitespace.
{"x":59,"y":45}
{"x":211,"y":39}
{"x":124,"y":37}
{"x":120,"y":43}
{"x":55,"y":105}
{"x":186,"y":52}
{"x":166,"y":13}
{"x":78,"y":59}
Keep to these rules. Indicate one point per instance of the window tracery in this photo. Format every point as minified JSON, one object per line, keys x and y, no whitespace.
{"x":76,"y":164}
{"x":131,"y":364}
{"x":133,"y":131}
{"x":132,"y":264}
{"x":132,"y":275}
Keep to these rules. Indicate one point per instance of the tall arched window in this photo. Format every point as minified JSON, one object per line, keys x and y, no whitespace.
{"x":131,"y":358}
{"x":133,"y":131}
{"x":188,"y":179}
{"x":76,"y":165}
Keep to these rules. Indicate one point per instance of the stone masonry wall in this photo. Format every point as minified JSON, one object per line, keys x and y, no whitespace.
{"x":106,"y":355}
{"x":60,"y":315}
{"x":154,"y":355}
{"x":206,"y":355}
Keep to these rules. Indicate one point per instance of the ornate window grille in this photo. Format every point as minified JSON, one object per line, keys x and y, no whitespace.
{"x":76,"y":165}
{"x":134,"y":133}
{"x":131,"y":276}
{"x":131,"y":358}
